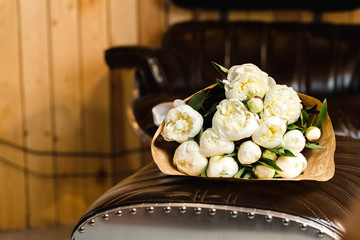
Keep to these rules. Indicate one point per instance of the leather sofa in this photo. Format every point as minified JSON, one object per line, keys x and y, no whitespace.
{"x":321,"y":60}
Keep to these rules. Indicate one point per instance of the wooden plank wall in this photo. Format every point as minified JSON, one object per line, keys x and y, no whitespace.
{"x":57,"y":153}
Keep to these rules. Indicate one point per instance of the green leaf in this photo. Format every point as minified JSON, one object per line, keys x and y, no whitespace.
{"x":212,"y":109}
{"x":322,"y":114}
{"x":304,"y":118}
{"x":313,"y":146}
{"x":292,"y":127}
{"x":288,"y":153}
{"x":269,"y":163}
{"x":230,"y":155}
{"x":197,"y":139}
{"x":197,"y":100}
{"x":247,"y":175}
{"x":277,"y":150}
{"x":220,"y":83}
{"x":277,"y":175}
{"x":203,"y":174}
{"x":312,"y":110}
{"x":239,"y":173}
{"x":222,"y":70}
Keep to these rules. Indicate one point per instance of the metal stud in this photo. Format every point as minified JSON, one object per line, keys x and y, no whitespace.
{"x":234,"y":214}
{"x":105,"y":216}
{"x":150,"y":209}
{"x":321,"y":233}
{"x":182,"y":209}
{"x":167,"y":209}
{"x":303,"y":226}
{"x":212,"y":211}
{"x":133,"y":211}
{"x":198,"y":210}
{"x":81,"y":229}
{"x":286,"y":222}
{"x":251,"y":215}
{"x":92,"y":222}
{"x":268,"y":218}
{"x":118,"y":212}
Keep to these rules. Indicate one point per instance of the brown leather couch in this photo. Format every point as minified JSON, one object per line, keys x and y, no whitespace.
{"x":321,"y":60}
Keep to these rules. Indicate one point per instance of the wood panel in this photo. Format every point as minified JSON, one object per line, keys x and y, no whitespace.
{"x":177,"y":15}
{"x":237,"y":15}
{"x":67,"y":108}
{"x":152,"y":22}
{"x":124,"y":22}
{"x":37,"y":108}
{"x":124,"y":25}
{"x":95,"y":93}
{"x":356,"y":16}
{"x":338,"y":17}
{"x":12,"y":203}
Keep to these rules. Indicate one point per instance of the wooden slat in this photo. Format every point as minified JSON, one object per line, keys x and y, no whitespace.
{"x":177,"y":15}
{"x":207,"y":15}
{"x":236,"y":15}
{"x":68,"y":118}
{"x":12,"y":203}
{"x":287,"y":15}
{"x":124,"y":135}
{"x":356,"y":16}
{"x":38,"y":115}
{"x":123,"y":22}
{"x":124,"y":25}
{"x":152,"y":22}
{"x":338,"y":17}
{"x":95,"y":92}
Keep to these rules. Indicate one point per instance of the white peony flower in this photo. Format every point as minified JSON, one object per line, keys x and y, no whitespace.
{"x":181,"y":123}
{"x":188,"y":159}
{"x":249,"y":152}
{"x":283,"y":102}
{"x":262,"y":172}
{"x":246,"y":81}
{"x":294,"y":141}
{"x":313,"y":133}
{"x":222,"y":167}
{"x":211,"y":144}
{"x":270,"y":132}
{"x":291,"y":166}
{"x":232,"y":121}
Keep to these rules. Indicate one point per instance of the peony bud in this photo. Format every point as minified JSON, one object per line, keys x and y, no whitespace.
{"x":222,"y":167}
{"x":269,"y":155}
{"x":313,"y":133}
{"x":188,"y":159}
{"x":255,"y":104}
{"x":291,"y":166}
{"x":249,"y":152}
{"x":294,"y":141}
{"x":211,"y":144}
{"x":181,"y":123}
{"x":262,"y":172}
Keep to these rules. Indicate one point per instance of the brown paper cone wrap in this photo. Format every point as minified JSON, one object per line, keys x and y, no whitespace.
{"x":321,"y":165}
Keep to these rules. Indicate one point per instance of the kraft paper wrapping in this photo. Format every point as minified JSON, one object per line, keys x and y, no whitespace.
{"x":321,"y":165}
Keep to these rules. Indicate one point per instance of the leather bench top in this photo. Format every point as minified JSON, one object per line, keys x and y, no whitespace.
{"x":327,"y":203}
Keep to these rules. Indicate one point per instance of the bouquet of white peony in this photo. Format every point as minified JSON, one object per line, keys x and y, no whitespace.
{"x":246,"y":126}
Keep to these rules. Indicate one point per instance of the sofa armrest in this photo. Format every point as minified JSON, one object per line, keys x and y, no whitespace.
{"x":150,"y":73}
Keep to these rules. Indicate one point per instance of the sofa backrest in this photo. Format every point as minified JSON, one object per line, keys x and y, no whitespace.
{"x":316,"y":59}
